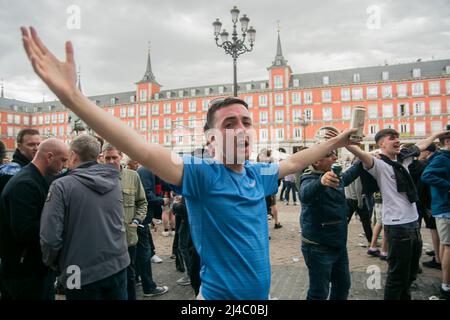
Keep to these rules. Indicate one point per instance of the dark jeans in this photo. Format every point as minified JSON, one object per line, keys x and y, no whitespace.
{"x":111,"y":288}
{"x":283,"y":188}
{"x":404,"y":250}
{"x":290,"y":185}
{"x":326,"y":265}
{"x":194,"y":272}
{"x":184,"y":238}
{"x":364,"y":213}
{"x":131,"y":273}
{"x":143,"y":259}
{"x":29,"y":288}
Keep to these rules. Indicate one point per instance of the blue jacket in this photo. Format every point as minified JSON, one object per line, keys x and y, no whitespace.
{"x":437,"y":175}
{"x":324,"y":209}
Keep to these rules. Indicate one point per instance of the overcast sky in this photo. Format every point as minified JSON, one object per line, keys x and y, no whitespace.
{"x":111,"y":43}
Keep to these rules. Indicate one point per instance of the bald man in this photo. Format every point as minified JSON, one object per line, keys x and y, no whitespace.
{"x":22,"y":272}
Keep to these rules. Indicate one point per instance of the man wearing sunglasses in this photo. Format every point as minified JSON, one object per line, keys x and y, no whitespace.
{"x":224,"y":196}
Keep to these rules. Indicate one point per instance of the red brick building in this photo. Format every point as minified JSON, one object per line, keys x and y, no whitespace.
{"x":288,"y":109}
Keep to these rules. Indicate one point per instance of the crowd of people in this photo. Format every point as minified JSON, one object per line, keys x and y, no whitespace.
{"x":75,"y":213}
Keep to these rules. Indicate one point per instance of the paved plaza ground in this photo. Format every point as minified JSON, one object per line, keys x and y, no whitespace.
{"x":289,"y":273}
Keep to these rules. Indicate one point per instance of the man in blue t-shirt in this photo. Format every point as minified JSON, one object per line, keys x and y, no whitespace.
{"x":224,"y":196}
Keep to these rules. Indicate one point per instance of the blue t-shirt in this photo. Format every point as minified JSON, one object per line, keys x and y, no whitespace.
{"x":229,"y":229}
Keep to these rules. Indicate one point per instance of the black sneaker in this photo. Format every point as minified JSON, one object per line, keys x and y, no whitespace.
{"x":156,"y":292}
{"x":430,"y":253}
{"x":277,"y":226}
{"x":373,"y":252}
{"x":432,"y":264}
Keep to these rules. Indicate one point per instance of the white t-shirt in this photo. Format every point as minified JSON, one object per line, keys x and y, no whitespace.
{"x":396,"y":207}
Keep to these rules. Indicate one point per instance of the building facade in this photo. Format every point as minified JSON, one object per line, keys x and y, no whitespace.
{"x":288,"y":109}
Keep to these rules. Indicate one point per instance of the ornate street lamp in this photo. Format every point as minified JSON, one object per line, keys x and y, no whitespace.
{"x":236,"y":46}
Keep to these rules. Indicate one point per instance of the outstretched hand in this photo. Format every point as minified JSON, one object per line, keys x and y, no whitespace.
{"x":343,"y":138}
{"x":59,"y":76}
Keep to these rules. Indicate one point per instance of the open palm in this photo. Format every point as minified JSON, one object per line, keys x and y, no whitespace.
{"x":59,"y":76}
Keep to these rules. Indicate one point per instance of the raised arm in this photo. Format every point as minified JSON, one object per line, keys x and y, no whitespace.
{"x":365,"y":157}
{"x":423,"y":144}
{"x":60,"y":77}
{"x":300,"y":160}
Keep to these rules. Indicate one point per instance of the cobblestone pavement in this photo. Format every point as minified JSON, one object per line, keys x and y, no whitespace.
{"x":289,"y":273}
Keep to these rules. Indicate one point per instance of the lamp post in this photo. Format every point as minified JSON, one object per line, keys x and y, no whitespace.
{"x":236,"y":46}
{"x":303,"y":123}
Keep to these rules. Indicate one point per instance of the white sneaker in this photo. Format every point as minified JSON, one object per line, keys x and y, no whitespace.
{"x":172,"y":233}
{"x":165,"y":233}
{"x":156,"y":259}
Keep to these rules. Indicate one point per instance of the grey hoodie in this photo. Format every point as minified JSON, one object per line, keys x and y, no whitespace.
{"x":82,"y":225}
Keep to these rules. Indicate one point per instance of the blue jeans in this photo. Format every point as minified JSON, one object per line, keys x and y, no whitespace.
{"x":327,"y":265}
{"x":143,"y":259}
{"x":111,"y":288}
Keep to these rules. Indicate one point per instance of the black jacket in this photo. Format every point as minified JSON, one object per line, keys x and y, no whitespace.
{"x":21,"y":205}
{"x":7,"y":171}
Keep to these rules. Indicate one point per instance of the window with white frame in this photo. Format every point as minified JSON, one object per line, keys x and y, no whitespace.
{"x":207,"y":91}
{"x":47,"y":119}
{"x":156,"y":96}
{"x":447,"y":86}
{"x":373,"y":129}
{"x":191,"y":122}
{"x":279,"y":116}
{"x":131,"y":124}
{"x":167,"y":123}
{"x":357,"y":93}
{"x":143,"y":110}
{"x":143,"y":124}
{"x":61,"y":118}
{"x":387,"y":111}
{"x":448,"y":106}
{"x":26,"y":120}
{"x":123,"y":112}
{"x":179,"y":107}
{"x":178,"y":123}
{"x":435,"y":107}
{"x":16,"y":119}
{"x":263,"y":136}
{"x":168,"y":94}
{"x":221,"y":89}
{"x":263,"y":118}
{"x":279,"y":99}
{"x":155,"y":124}
{"x":327,"y":114}
{"x":180,"y":93}
{"x":326,"y":95}
{"x":386,"y":91}
{"x":434,"y":88}
{"x":403,"y":109}
{"x":308,"y":114}
{"x":143,"y":95}
{"x":248,"y":86}
{"x":263,"y":100}
{"x":372,"y":111}
{"x":416,"y":73}
{"x":33,"y":120}
{"x":296,"y":82}
{"x":54,"y":118}
{"x":385,"y":75}
{"x":155,"y":139}
{"x":41,"y":120}
{"x":417,"y":89}
{"x":279,"y":132}
{"x":155,"y":109}
{"x":436,"y":126}
{"x":297,"y":133}
{"x":296,"y":115}
{"x":345,"y":94}
{"x":10,"y":131}
{"x":307,"y":97}
{"x":346,"y":112}
{"x":372,"y":93}
{"x":447,"y":69}
{"x":278,"y":82}
{"x":249,"y":101}
{"x":61,"y":131}
{"x":419,"y":128}
{"x":262,"y":86}
{"x":402,"y":90}
{"x":296,"y":98}
{"x":167,"y":139}
{"x":132,"y":99}
{"x":205,"y":105}
{"x":356,"y":78}
{"x":130,"y":111}
{"x":193,"y":92}
{"x":403,"y":128}
{"x":419,"y":108}
{"x":192,"y":106}
{"x":325,"y":80}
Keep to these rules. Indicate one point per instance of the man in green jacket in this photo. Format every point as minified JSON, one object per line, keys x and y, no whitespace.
{"x":135,"y":210}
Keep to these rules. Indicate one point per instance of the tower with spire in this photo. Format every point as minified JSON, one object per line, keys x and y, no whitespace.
{"x":147,"y":86}
{"x":279,"y":72}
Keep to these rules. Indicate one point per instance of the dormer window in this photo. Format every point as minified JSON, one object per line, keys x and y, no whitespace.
{"x":356,"y":78}
{"x":416,"y":73}
{"x":385,"y":75}
{"x":326,"y":80}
